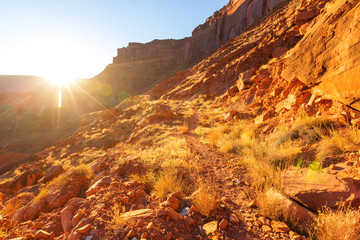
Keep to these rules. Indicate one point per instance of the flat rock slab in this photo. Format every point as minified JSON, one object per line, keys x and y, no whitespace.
{"x":138,"y":213}
{"x":316,"y":189}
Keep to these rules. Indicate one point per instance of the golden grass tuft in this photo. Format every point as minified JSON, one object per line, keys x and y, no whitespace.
{"x":168,"y":182}
{"x":80,"y":173}
{"x":205,"y":199}
{"x":17,"y":202}
{"x":305,"y":128}
{"x":11,"y":207}
{"x":343,"y":140}
{"x":334,"y":225}
{"x":117,"y":211}
{"x":272,"y":205}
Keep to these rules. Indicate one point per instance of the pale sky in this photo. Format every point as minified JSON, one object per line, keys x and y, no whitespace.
{"x":78,"y":38}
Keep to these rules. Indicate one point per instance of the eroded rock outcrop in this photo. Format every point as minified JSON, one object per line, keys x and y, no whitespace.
{"x":328,"y":55}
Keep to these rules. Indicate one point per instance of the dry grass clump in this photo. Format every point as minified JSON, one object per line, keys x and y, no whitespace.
{"x":117,"y":210}
{"x":80,"y":173}
{"x":232,"y":138}
{"x":17,"y":202}
{"x":205,"y":199}
{"x":170,"y":166}
{"x":343,"y":140}
{"x":168,"y":182}
{"x":167,"y":152}
{"x":272,"y":205}
{"x":305,"y":128}
{"x":334,"y":225}
{"x":264,"y":157}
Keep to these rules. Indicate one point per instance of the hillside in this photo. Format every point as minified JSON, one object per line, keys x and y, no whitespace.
{"x":258,"y":140}
{"x":138,"y":67}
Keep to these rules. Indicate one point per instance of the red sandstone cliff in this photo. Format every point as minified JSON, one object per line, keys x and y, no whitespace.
{"x":139,"y":67}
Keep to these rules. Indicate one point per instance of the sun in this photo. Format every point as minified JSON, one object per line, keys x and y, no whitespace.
{"x":60,"y":81}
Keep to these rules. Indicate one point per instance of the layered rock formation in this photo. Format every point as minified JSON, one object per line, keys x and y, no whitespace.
{"x":139,"y":67}
{"x":328,"y":55}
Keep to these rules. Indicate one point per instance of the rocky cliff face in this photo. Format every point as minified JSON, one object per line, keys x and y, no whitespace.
{"x":328,"y":55}
{"x":139,"y":67}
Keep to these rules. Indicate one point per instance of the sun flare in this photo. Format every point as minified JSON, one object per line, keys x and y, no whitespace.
{"x":60,"y":81}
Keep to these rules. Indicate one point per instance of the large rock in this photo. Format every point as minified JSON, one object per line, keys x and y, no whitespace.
{"x":328,"y":55}
{"x":53,"y":172}
{"x":18,"y":178}
{"x":10,"y":160}
{"x":29,"y":211}
{"x":67,"y":214}
{"x":316,"y":189}
{"x":302,"y":214}
{"x":105,"y":181}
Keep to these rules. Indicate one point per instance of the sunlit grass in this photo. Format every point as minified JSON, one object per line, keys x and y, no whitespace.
{"x":343,"y":140}
{"x":334,"y":225}
{"x":205,"y":199}
{"x":117,"y":211}
{"x":80,"y":173}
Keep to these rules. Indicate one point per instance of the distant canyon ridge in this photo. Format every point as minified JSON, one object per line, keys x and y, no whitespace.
{"x":138,"y":67}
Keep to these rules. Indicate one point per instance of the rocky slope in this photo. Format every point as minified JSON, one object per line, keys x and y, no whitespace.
{"x":139,"y":67}
{"x":239,"y":146}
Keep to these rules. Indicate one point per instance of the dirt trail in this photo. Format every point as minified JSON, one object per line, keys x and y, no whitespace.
{"x":217,"y":170}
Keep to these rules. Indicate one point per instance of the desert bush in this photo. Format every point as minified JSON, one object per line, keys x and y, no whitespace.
{"x":171,"y":180}
{"x":205,"y":199}
{"x":234,"y":137}
{"x":17,"y":202}
{"x":343,"y":140}
{"x":305,"y":128}
{"x":271,"y":205}
{"x":334,"y":225}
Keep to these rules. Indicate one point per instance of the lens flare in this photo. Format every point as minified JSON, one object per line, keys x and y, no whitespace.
{"x":60,"y":81}
{"x":60,"y":98}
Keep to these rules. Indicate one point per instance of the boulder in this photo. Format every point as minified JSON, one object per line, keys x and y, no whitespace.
{"x":105,"y":181}
{"x":29,"y":211}
{"x":66,"y":215}
{"x":231,"y":92}
{"x":18,"y":178}
{"x":302,"y":214}
{"x":305,"y":15}
{"x":53,"y":172}
{"x":42,"y":235}
{"x":317,"y":189}
{"x":244,"y":79}
{"x":171,"y":202}
{"x":172,"y":214}
{"x":263,"y":117}
{"x":280,"y":227}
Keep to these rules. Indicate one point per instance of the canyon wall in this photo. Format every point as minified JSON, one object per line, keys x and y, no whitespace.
{"x":328,"y":57}
{"x":138,"y":67}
